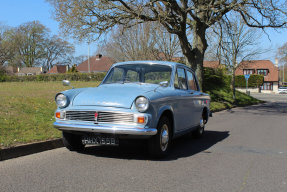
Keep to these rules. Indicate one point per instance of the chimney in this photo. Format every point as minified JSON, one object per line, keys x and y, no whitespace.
{"x":276,"y":62}
{"x":98,"y":56}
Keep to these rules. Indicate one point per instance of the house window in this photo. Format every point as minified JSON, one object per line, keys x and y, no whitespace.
{"x":248,"y":71}
{"x":267,"y":86}
{"x":262,"y":72}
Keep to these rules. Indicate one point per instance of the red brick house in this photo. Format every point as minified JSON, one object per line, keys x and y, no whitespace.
{"x":98,"y":63}
{"x":213,"y":64}
{"x":58,"y":69}
{"x":263,"y":67}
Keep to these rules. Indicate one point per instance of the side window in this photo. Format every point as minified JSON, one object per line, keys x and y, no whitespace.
{"x":180,"y":79}
{"x":191,"y":81}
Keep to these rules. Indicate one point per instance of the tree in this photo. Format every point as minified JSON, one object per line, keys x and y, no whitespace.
{"x":282,"y":53}
{"x":30,"y":44}
{"x":83,"y":18}
{"x":29,"y":40}
{"x":235,"y":44}
{"x":147,"y":41}
{"x":6,"y":53}
{"x":55,"y":51}
{"x":135,"y":43}
{"x":73,"y":69}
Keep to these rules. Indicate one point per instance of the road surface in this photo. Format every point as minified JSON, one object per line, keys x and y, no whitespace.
{"x":244,"y":149}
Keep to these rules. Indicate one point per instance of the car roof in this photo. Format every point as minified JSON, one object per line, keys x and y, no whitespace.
{"x":169,"y":63}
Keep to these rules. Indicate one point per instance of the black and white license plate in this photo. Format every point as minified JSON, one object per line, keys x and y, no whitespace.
{"x":99,"y":140}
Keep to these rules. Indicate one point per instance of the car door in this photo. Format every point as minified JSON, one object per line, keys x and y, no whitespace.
{"x":183,"y":103}
{"x":195,"y":97}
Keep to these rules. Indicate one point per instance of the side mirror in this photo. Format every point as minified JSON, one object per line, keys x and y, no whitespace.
{"x":66,"y":82}
{"x":163,"y":83}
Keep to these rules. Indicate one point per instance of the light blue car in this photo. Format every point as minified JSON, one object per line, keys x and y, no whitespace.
{"x":152,"y":100}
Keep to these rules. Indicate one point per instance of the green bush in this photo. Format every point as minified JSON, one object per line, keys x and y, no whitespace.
{"x":215,"y":79}
{"x":2,"y":74}
{"x":57,"y":77}
{"x":253,"y":81}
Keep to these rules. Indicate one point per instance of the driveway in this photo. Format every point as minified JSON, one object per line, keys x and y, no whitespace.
{"x":244,"y":149}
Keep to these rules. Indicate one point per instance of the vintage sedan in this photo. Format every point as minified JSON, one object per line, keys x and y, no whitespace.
{"x":152,"y":100}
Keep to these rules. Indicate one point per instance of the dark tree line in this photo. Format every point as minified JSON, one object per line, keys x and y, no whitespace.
{"x":31,"y":44}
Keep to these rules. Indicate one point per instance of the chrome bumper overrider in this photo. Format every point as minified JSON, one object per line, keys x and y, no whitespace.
{"x":105,"y":129}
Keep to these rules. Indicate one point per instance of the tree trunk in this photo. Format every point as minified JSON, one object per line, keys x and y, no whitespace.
{"x":199,"y":45}
{"x":194,"y":54}
{"x":233,"y":84}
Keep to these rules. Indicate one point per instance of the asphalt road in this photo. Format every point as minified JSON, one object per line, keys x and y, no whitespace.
{"x":244,"y":149}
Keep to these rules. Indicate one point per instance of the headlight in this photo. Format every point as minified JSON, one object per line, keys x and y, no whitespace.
{"x":61,"y":100}
{"x":142,"y":104}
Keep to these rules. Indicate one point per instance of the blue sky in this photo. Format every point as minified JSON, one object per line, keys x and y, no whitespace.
{"x":16,"y":12}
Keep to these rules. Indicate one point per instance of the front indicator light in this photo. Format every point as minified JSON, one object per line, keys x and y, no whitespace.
{"x":141,"y":120}
{"x":60,"y":115}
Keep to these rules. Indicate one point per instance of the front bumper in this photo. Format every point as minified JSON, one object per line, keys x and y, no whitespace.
{"x":113,"y":129}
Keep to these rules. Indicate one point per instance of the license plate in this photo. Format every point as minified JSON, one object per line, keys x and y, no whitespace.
{"x":99,"y":140}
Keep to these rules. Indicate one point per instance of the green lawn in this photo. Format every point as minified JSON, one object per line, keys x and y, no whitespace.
{"x":223,"y":99}
{"x":27,"y":109}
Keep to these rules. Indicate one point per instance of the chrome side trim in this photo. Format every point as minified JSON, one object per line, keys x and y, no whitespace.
{"x":105,"y":129}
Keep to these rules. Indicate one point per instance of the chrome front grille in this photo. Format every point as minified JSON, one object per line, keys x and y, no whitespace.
{"x":103,"y":117}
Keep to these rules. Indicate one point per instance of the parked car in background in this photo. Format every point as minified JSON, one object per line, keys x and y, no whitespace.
{"x":282,"y":90}
{"x":152,"y":100}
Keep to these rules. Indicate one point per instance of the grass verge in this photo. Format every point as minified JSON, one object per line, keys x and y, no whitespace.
{"x":27,"y":109}
{"x":223,"y":99}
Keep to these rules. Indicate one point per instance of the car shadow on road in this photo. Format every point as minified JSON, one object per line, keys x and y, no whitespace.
{"x":181,"y":147}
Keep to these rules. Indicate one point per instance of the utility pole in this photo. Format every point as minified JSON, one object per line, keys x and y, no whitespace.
{"x":283,"y":74}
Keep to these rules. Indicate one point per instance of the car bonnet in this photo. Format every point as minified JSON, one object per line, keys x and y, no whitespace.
{"x":112,"y":95}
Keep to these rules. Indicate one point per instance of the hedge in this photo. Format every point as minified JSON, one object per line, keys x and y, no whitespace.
{"x":57,"y":77}
{"x":216,"y":79}
{"x":253,"y":81}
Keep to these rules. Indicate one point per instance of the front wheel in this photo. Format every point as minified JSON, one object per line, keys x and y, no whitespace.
{"x":160,"y":143}
{"x":72,"y":142}
{"x":198,"y":133}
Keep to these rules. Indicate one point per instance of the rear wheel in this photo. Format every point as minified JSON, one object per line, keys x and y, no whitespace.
{"x":198,"y":133}
{"x":72,"y":142}
{"x":160,"y":143}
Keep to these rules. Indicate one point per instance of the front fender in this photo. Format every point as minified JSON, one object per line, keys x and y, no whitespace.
{"x":162,"y":110}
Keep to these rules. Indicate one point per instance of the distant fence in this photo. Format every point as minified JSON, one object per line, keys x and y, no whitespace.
{"x":56,"y":77}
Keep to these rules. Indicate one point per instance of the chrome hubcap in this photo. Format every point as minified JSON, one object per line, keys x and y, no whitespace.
{"x":164,"y":138}
{"x":201,"y":124}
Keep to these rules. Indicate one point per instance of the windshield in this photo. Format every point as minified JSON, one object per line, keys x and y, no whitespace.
{"x":141,"y":73}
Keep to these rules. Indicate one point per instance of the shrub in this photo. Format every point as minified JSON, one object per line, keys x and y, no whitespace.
{"x":57,"y":77}
{"x":215,"y":79}
{"x":253,"y":81}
